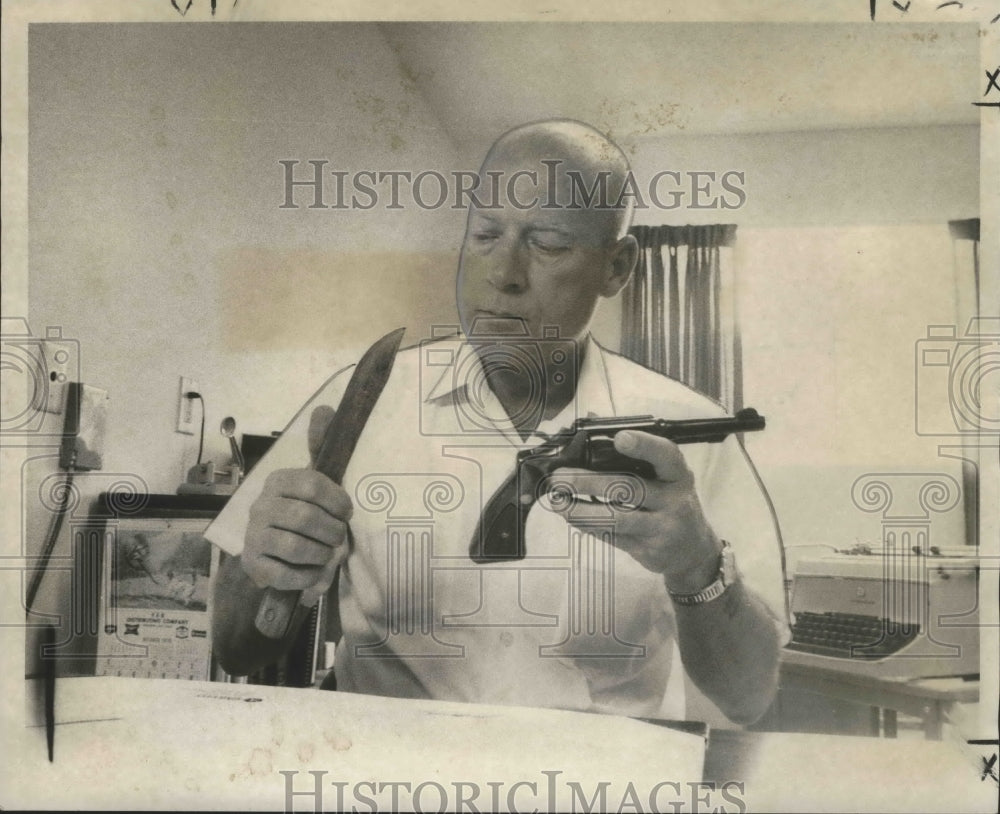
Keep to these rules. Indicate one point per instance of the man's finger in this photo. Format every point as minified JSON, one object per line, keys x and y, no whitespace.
{"x":664,"y":455}
{"x":319,"y":423}
{"x":306,"y":485}
{"x":310,"y":596}
{"x":567,"y":489}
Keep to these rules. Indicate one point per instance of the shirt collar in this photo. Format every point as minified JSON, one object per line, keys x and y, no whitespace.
{"x":451,"y":356}
{"x":460,"y":364}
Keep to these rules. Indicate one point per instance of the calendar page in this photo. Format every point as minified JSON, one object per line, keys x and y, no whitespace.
{"x":155,"y":619}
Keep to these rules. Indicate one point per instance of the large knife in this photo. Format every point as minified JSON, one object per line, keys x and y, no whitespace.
{"x":277,"y":607}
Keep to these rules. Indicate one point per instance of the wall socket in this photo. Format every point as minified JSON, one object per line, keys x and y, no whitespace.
{"x":187,"y":409}
{"x":60,"y":361}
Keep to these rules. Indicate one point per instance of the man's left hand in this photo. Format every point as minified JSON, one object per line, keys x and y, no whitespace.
{"x":666,"y":530}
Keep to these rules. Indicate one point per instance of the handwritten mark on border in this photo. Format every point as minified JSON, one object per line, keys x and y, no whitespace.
{"x":993,"y":78}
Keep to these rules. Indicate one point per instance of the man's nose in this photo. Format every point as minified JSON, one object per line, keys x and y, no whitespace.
{"x":508,"y":266}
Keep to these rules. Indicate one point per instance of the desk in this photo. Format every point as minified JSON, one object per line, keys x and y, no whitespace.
{"x":135,"y":743}
{"x":829,"y":773}
{"x":929,"y":699}
{"x":144,"y":743}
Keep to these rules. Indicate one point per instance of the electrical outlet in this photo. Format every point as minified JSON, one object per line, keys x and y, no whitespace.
{"x":59,"y":362}
{"x":186,"y":408}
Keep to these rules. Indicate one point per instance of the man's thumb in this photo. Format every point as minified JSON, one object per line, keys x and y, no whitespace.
{"x":664,"y":455}
{"x":319,"y":422}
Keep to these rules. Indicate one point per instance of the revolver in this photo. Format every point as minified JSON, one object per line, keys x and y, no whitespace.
{"x":587,"y":444}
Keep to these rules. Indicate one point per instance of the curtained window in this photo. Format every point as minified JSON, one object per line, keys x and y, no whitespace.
{"x":679,"y":310}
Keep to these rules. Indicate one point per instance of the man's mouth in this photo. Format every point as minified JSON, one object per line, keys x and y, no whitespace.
{"x":486,"y":322}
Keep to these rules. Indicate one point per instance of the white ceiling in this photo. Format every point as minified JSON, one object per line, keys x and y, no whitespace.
{"x":640,"y":81}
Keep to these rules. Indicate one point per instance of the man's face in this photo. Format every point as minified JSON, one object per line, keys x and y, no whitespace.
{"x":545,"y":267}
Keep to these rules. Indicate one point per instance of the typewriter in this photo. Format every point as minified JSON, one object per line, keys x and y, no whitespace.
{"x":887,"y":612}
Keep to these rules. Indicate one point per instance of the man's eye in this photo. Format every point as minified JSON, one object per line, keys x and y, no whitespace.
{"x":547,"y":247}
{"x":484,"y":237}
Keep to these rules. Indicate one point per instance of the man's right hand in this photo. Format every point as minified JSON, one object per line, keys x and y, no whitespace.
{"x":298,"y":526}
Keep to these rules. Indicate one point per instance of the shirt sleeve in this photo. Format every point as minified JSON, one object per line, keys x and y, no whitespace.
{"x":290,"y":451}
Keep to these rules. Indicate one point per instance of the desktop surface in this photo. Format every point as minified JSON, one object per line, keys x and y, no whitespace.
{"x":127,"y":743}
{"x":137,"y":743}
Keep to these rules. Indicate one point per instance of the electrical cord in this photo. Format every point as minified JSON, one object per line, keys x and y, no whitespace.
{"x":777,"y":529}
{"x":50,"y":542}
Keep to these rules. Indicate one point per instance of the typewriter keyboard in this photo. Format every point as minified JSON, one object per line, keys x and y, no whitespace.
{"x":849,"y":635}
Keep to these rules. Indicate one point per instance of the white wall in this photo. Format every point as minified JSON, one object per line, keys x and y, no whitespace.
{"x":828,"y":177}
{"x":157,"y":241}
{"x":831,"y":319}
{"x":815,"y":178}
{"x":843,"y":260}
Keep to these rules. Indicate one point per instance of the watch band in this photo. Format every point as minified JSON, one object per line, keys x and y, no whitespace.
{"x":725,"y":578}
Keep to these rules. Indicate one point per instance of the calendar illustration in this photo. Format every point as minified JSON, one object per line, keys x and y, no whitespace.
{"x":156,"y":605}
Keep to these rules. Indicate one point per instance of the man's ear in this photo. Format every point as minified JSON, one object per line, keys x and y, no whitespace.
{"x":624,"y":257}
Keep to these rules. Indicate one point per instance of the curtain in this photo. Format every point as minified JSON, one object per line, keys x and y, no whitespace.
{"x":679,"y":310}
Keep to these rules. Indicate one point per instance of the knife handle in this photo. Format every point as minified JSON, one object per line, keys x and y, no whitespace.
{"x":274,"y":616}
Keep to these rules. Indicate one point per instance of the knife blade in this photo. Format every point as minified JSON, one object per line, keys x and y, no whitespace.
{"x":363,"y":390}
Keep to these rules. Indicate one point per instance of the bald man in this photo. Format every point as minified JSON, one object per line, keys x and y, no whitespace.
{"x":608,"y":609}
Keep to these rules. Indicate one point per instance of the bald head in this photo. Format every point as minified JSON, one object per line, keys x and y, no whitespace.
{"x":578,"y":167}
{"x":553,"y":239}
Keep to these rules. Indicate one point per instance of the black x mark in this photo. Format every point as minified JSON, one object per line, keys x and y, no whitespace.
{"x":993,"y":81}
{"x":988,"y":768}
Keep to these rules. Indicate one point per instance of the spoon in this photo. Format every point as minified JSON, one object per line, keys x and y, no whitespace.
{"x":228,"y":429}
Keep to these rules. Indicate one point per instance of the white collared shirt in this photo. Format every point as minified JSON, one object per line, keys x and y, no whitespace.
{"x":576,"y":624}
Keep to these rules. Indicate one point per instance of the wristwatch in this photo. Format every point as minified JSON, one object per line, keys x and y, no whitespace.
{"x":725,"y":578}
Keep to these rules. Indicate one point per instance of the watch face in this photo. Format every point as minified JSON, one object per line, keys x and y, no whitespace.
{"x":727,"y":565}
